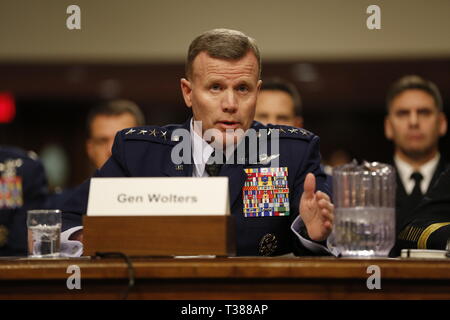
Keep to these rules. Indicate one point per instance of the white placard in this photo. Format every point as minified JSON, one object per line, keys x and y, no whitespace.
{"x":158,"y":196}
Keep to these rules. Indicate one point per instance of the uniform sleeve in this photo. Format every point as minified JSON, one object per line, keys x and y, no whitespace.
{"x":311,"y":163}
{"x":429,"y":225}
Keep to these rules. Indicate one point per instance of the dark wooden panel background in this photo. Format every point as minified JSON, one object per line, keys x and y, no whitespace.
{"x":343,"y":101}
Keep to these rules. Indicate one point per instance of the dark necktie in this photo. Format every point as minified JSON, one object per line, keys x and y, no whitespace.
{"x":213,"y":169}
{"x":416,"y":195}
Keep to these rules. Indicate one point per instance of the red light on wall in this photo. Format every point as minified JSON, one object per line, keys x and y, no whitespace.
{"x":7,"y":107}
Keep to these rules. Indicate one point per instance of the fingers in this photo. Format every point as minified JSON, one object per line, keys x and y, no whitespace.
{"x":322,"y":195}
{"x":326,"y":210}
{"x":325,"y":204}
{"x":309,"y":186}
{"x":327,"y":216}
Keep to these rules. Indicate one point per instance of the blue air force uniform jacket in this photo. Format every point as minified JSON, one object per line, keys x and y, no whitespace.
{"x":22,"y":189}
{"x":146,"y":152}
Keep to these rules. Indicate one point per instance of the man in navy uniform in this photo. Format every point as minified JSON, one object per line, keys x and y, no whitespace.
{"x":428,"y":226}
{"x":221,"y":87}
{"x":415,"y":121}
{"x":23,"y":186}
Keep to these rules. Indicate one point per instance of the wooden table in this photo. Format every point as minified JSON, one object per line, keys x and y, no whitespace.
{"x":226,"y":278}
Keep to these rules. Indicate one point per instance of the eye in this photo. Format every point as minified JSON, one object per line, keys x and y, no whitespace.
{"x":243,"y":88}
{"x":283,"y":118}
{"x":425,"y":112}
{"x":402,"y":113}
{"x":215,"y":87}
{"x":261,"y":116}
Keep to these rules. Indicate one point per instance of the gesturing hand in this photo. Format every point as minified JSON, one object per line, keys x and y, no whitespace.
{"x":316,"y":210}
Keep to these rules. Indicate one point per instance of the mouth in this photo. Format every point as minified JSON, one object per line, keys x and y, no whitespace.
{"x":228,"y":124}
{"x":415,"y":137}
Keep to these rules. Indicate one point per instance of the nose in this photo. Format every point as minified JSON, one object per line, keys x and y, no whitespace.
{"x":413,"y":119}
{"x":229,"y":102}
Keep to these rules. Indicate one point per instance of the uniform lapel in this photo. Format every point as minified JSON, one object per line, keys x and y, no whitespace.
{"x":182,"y":170}
{"x":439,"y":169}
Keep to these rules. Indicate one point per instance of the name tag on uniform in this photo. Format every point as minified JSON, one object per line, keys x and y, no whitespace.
{"x":158,"y":196}
{"x":266,"y":192}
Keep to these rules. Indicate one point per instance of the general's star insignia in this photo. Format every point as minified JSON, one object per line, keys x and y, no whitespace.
{"x":304,"y":132}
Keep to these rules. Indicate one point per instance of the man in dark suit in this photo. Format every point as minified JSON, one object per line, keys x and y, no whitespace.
{"x":414,"y":123}
{"x":104,"y":121}
{"x":429,"y":224}
{"x":102,"y":124}
{"x":23,"y":186}
{"x":279,"y":102}
{"x":221,"y":86}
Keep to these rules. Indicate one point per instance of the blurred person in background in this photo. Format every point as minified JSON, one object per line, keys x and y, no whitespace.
{"x":104,"y":121}
{"x":102,"y":124}
{"x":23,"y":186}
{"x":414,"y":123}
{"x":279,"y":103}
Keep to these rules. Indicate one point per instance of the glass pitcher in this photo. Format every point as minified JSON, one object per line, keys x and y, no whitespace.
{"x":364,"y":199}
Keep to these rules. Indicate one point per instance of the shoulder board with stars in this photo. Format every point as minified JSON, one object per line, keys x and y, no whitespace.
{"x":290,"y":132}
{"x":150,"y":133}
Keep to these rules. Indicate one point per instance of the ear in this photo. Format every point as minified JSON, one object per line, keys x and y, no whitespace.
{"x":258,"y":86}
{"x":186,"y":89}
{"x":89,"y":148}
{"x":442,"y":124}
{"x":388,"y":128}
{"x":298,"y":122}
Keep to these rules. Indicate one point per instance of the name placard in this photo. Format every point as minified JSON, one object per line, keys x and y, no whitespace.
{"x":158,"y":196}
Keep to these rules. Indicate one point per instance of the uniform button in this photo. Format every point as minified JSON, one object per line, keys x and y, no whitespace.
{"x":268,"y":245}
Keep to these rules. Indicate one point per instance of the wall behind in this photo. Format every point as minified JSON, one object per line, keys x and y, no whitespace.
{"x":160,"y":30}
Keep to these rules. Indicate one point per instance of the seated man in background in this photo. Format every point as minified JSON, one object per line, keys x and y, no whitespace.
{"x":23,"y":186}
{"x":221,"y":87}
{"x":102,"y":124}
{"x":279,"y":103}
{"x":415,"y":122}
{"x":104,"y":121}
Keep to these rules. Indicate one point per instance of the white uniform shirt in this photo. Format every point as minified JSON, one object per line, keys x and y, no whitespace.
{"x":427,"y":170}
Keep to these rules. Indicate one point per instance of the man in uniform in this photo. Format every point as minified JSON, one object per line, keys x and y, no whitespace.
{"x":23,"y":186}
{"x":429,"y":223}
{"x":415,"y":122}
{"x":221,"y":86}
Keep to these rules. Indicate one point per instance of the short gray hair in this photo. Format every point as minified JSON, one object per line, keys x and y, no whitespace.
{"x":222,"y":44}
{"x":411,"y":82}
